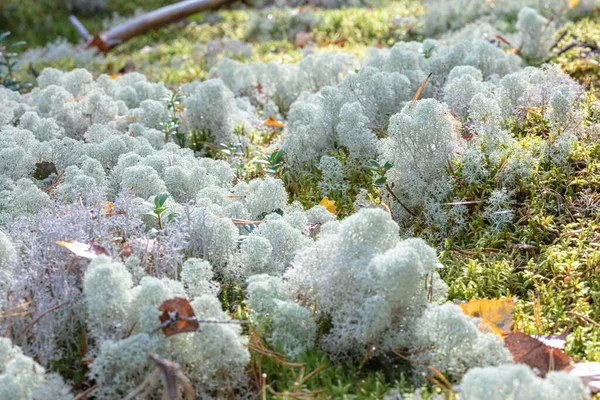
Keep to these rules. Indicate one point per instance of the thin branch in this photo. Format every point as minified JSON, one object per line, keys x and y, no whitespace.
{"x":585,"y":318}
{"x":85,"y":35}
{"x":408,"y":210}
{"x":39,"y":317}
{"x":149,"y":382}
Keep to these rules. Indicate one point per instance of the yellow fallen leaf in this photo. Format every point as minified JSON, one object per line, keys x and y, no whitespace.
{"x":497,"y":313}
{"x":573,"y":3}
{"x":329,"y":205}
{"x":114,"y":76}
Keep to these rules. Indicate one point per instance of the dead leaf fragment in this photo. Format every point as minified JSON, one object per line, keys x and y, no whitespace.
{"x":537,"y":355}
{"x":89,"y":251}
{"x":125,"y":252}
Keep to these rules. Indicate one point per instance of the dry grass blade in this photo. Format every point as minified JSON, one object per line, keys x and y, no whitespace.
{"x":313,"y":394}
{"x":238,"y":221}
{"x":10,"y":310}
{"x":256,"y":344}
{"x":418,"y":94}
{"x":441,"y":377}
{"x":21,"y":314}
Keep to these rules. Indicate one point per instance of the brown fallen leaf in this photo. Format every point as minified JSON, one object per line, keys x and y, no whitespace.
{"x":177,"y":317}
{"x":537,"y":355}
{"x":125,"y":252}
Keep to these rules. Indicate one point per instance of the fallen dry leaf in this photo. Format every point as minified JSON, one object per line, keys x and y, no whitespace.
{"x":273,"y":122}
{"x":497,"y":313}
{"x":177,"y":317}
{"x":537,"y":355}
{"x":125,"y":252}
{"x":89,"y":251}
{"x":329,"y":205}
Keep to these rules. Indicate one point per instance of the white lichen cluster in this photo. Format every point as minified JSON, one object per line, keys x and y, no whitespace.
{"x":212,"y":357}
{"x":21,"y":378}
{"x":373,"y":288}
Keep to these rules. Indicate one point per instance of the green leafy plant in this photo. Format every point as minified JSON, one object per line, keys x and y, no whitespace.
{"x":272,"y":164}
{"x":379,"y":170}
{"x":160,"y":209}
{"x":170,"y":128}
{"x":8,"y":63}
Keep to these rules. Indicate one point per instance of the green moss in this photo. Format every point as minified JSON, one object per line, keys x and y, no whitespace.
{"x":581,"y":62}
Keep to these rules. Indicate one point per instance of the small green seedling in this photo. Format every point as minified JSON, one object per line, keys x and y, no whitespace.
{"x":171,"y":127}
{"x":8,"y":64}
{"x":272,"y":163}
{"x":159,"y":210}
{"x":379,"y":170}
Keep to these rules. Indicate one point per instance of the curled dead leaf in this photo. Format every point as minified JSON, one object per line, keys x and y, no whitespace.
{"x":534,"y":353}
{"x":177,"y":317}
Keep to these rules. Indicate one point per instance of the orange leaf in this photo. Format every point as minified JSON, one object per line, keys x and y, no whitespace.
{"x":114,"y":76}
{"x":273,"y":122}
{"x":177,"y":317}
{"x":329,"y":205}
{"x":537,"y":355}
{"x":497,"y":313}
